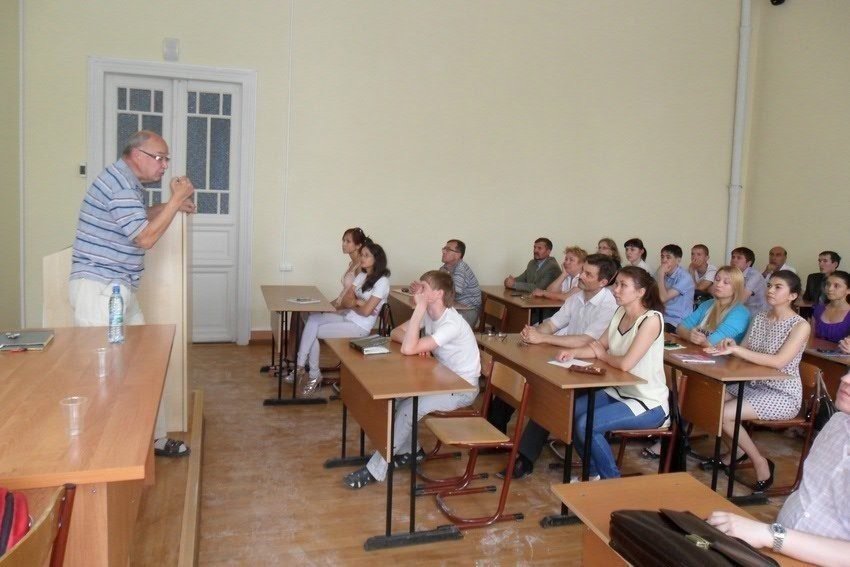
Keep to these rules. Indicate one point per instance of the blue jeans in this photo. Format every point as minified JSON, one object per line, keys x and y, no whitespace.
{"x":610,"y":414}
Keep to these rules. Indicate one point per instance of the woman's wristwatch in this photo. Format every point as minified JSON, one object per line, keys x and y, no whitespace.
{"x":777,"y":530}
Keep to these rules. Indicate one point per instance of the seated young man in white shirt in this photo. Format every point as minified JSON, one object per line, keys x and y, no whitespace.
{"x":451,"y":341}
{"x":583,"y":318}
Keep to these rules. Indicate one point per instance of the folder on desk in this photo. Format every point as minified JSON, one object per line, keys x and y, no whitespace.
{"x":23,"y":339}
{"x":373,"y":344}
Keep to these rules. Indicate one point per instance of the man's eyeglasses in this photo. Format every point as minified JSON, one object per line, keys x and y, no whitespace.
{"x":447,"y":249}
{"x":159,"y":159}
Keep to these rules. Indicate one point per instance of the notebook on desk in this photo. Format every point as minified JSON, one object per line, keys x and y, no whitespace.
{"x":23,"y":339}
{"x":373,"y":344}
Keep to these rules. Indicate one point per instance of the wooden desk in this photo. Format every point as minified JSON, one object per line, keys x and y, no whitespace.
{"x":402,"y":304}
{"x":519,"y":307}
{"x":593,"y":502}
{"x":551,"y":402}
{"x":833,"y":366}
{"x":278,"y":301}
{"x":369,"y":387}
{"x":706,"y":392}
{"x":113,"y":456}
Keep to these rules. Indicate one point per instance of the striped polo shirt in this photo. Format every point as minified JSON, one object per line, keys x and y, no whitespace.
{"x":112,"y":214}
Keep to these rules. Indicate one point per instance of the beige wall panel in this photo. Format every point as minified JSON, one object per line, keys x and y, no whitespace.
{"x":798,"y":189}
{"x":10,"y":305}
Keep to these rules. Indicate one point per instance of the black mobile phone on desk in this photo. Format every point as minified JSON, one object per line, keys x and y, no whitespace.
{"x":831,"y":351}
{"x":517,"y":294}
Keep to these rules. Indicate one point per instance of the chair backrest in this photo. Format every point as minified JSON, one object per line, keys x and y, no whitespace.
{"x":494,"y":310}
{"x":486,"y":367}
{"x":47,"y":536}
{"x":385,"y":321}
{"x":809,"y":374}
{"x":508,"y":384}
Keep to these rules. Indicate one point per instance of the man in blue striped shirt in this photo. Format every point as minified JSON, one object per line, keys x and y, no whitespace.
{"x":114,"y":230}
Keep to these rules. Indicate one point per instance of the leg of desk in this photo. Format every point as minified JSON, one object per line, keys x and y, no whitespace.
{"x":102,"y":523}
{"x":716,"y":469}
{"x":413,"y":451}
{"x":294,"y":400}
{"x":750,"y":499}
{"x":411,"y":537}
{"x":564,"y":518}
{"x":344,"y":461}
{"x":390,"y":468}
{"x":739,"y":402}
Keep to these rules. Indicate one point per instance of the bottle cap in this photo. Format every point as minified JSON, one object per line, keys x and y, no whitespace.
{"x":116,"y":289}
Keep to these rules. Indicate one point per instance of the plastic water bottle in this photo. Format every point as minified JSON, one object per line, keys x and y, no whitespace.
{"x":116,"y":316}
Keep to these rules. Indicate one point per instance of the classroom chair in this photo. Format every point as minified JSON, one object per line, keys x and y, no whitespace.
{"x":47,"y":536}
{"x":668,"y":432}
{"x":812,"y":379}
{"x":470,"y":411}
{"x":493,"y":311}
{"x":476,"y":433}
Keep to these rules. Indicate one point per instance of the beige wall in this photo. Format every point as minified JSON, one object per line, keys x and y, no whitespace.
{"x":799,"y":171}
{"x":491,"y":121}
{"x":10,"y":310}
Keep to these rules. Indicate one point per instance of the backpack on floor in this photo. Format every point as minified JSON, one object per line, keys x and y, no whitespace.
{"x":14,"y":519}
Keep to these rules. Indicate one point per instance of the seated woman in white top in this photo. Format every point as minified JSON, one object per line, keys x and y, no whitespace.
{"x":567,"y":283}
{"x":634,"y":343}
{"x":352,"y":241}
{"x":355,"y":316}
{"x":814,"y":523}
{"x":636,"y":254}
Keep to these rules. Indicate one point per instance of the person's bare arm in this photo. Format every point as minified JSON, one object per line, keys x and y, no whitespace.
{"x":797,"y":339}
{"x":810,"y":548}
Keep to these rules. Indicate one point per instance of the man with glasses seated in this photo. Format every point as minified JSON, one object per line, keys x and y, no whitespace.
{"x":467,"y":290}
{"x":113,"y":231}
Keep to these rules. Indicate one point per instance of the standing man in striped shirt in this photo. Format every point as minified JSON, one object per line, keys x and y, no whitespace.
{"x":113,"y":232}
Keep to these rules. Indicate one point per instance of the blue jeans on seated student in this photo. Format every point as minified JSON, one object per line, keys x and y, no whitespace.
{"x":609,"y":414}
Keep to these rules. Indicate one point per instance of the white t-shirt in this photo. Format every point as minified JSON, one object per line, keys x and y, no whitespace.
{"x":456,"y":346}
{"x":577,"y":317}
{"x":380,"y":289}
{"x":708,"y":276}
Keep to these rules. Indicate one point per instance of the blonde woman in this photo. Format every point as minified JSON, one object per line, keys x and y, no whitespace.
{"x":567,"y":283}
{"x":724,"y":316}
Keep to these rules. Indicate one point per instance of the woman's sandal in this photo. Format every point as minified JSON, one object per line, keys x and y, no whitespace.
{"x":359,"y":478}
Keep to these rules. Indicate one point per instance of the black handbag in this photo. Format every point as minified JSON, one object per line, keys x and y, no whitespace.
{"x":668,"y":538}
{"x":821,"y":404}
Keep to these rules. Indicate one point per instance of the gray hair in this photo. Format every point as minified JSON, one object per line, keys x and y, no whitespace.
{"x":136,"y":140}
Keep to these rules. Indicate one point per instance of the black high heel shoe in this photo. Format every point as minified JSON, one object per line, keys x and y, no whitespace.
{"x":763,"y":485}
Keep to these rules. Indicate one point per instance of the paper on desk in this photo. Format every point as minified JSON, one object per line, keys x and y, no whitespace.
{"x":568,"y":363}
{"x":302,"y":300}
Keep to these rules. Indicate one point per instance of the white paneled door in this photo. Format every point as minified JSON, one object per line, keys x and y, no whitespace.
{"x":202,"y":124}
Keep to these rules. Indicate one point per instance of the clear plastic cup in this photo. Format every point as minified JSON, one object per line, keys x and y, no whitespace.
{"x":101,"y":362}
{"x":74,"y":408}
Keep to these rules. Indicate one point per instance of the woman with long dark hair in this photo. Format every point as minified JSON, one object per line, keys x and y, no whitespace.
{"x":777,"y":338}
{"x":355,"y":317}
{"x":352,"y":241}
{"x":634,"y":343}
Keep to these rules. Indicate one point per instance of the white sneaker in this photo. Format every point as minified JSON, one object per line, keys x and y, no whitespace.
{"x":590,"y":478}
{"x":289,"y":378}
